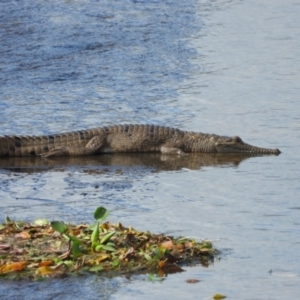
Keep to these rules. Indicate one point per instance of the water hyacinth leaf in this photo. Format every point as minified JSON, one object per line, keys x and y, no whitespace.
{"x":73,"y":238}
{"x":146,"y":255}
{"x":7,"y":220}
{"x":76,"y":251}
{"x":101,"y":214}
{"x":95,"y":236}
{"x":97,"y":247}
{"x":107,"y":237}
{"x":108,"y":248}
{"x":59,"y":226}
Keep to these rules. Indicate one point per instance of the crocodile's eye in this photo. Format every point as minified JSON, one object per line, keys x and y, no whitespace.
{"x":237,"y":139}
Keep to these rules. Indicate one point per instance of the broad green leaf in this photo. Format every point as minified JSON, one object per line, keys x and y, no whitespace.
{"x":76,"y":251}
{"x":107,"y":237}
{"x":73,"y":238}
{"x":97,"y":247}
{"x":95,"y":234}
{"x":57,"y":260}
{"x":101,"y":214}
{"x":59,"y":226}
{"x":108,"y":248}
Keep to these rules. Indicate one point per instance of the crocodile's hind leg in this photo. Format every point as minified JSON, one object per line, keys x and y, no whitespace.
{"x":92,"y":147}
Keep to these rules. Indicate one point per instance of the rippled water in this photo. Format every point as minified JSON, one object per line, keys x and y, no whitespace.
{"x":225,"y":67}
{"x":82,"y":63}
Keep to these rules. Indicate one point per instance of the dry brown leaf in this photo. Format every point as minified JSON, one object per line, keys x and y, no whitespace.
{"x":18,"y":251}
{"x":23,"y":235}
{"x":4,"y":247}
{"x":192,"y":280}
{"x":188,"y":244}
{"x":101,"y":258}
{"x":204,"y":250}
{"x":167,"y":245}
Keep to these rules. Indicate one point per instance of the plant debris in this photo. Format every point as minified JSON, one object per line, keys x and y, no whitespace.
{"x":42,"y":249}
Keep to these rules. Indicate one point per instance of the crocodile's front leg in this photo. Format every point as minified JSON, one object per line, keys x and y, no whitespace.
{"x":171,"y":150}
{"x":92,"y":147}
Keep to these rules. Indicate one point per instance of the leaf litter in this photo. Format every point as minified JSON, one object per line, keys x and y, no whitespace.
{"x":42,"y":249}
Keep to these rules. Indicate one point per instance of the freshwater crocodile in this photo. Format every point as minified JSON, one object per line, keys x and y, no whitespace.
{"x":125,"y":138}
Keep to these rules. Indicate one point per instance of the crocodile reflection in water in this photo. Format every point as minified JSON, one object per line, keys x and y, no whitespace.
{"x":154,"y":161}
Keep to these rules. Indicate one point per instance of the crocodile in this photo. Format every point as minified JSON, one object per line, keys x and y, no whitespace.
{"x":126,"y":138}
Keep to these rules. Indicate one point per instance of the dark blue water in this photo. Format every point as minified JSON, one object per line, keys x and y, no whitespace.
{"x":81,"y":63}
{"x":225,"y":67}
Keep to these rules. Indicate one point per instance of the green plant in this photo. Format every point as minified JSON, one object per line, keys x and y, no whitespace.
{"x":104,"y":243}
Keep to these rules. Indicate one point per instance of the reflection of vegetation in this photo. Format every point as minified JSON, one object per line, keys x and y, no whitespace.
{"x":41,"y":249}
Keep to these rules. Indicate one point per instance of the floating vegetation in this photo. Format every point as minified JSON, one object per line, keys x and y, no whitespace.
{"x":42,"y":249}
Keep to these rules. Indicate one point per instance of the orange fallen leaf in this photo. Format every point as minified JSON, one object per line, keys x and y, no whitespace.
{"x":45,"y":263}
{"x":11,"y":267}
{"x":161,"y":263}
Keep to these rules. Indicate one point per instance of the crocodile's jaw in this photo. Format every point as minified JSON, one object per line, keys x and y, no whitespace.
{"x":236,"y":145}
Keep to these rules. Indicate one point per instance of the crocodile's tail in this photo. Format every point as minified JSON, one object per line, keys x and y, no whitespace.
{"x":36,"y":145}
